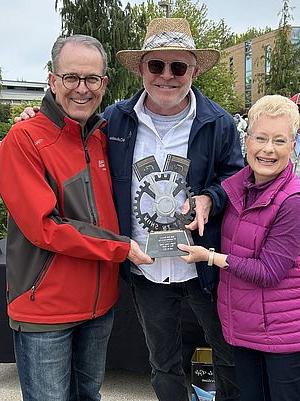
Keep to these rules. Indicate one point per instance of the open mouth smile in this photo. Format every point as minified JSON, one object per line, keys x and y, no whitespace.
{"x":265,"y":161}
{"x":81,"y":101}
{"x":166,"y":86}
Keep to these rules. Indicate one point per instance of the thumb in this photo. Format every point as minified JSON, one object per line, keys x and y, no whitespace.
{"x":183,"y":247}
{"x":185,"y":207}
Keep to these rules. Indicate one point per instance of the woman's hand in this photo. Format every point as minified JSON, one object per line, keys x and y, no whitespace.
{"x":200,"y":254}
{"x":195,"y":253}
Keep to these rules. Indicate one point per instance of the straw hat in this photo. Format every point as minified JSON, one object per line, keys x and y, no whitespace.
{"x":169,"y":34}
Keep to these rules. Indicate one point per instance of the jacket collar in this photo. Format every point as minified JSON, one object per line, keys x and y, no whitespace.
{"x":57,"y":115}
{"x":236,"y":186}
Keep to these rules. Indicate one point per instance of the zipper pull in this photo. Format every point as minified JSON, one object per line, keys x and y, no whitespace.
{"x":87,"y":156}
{"x":32,"y":296}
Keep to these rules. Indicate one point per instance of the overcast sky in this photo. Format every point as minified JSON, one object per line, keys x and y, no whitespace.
{"x":29,"y":28}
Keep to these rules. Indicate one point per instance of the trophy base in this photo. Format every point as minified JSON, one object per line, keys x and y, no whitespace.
{"x":162,"y":244}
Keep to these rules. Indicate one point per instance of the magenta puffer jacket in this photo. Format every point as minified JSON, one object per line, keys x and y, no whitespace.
{"x":265,"y":319}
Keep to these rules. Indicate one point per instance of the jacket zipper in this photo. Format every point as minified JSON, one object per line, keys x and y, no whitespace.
{"x":97,"y":292}
{"x":87,"y":180}
{"x":40,"y":277}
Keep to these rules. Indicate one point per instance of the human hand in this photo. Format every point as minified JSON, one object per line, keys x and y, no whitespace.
{"x":27,"y":113}
{"x":137,"y":256}
{"x":195,"y":253}
{"x":203,"y":205}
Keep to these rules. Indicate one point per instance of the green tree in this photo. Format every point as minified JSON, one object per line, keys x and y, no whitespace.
{"x":251,"y":33}
{"x":284,"y":75}
{"x":4,"y":112}
{"x":4,"y":128}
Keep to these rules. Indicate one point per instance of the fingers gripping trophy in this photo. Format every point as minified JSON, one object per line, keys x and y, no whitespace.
{"x":162,"y":190}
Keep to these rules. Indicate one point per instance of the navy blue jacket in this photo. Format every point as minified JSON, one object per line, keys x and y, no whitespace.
{"x":215,"y":154}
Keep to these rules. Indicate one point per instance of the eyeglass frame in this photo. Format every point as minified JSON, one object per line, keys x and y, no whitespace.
{"x":168,"y":63}
{"x":62,"y":76}
{"x":267,"y":139}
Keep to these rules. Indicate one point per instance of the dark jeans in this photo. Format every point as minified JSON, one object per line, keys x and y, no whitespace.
{"x":264,"y":376}
{"x":159,"y":311}
{"x":64,"y":365}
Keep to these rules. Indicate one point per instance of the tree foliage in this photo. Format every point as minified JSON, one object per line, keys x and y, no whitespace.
{"x":284,"y":75}
{"x":4,"y":112}
{"x":250,"y":34}
{"x":4,"y":128}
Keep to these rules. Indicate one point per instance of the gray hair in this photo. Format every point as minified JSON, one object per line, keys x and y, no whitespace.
{"x":274,"y":106}
{"x":83,"y":40}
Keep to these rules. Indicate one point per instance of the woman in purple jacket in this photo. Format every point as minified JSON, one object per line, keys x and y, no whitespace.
{"x":259,"y":290}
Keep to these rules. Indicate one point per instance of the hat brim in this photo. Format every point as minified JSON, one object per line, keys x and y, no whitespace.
{"x":206,"y":58}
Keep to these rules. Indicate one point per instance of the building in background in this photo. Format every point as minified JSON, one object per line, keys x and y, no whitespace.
{"x":250,"y":61}
{"x":21,"y":91}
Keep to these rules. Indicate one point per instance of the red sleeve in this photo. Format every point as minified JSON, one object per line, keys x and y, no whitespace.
{"x":32,"y":204}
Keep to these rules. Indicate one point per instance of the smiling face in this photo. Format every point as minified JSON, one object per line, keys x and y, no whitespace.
{"x":167,"y":93}
{"x":268,"y":160}
{"x":79,"y":103}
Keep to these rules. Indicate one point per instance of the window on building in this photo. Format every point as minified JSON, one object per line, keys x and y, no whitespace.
{"x":248,"y":73}
{"x":295,"y":36}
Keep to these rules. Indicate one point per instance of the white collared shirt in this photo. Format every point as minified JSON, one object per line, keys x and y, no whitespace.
{"x":148,"y":142}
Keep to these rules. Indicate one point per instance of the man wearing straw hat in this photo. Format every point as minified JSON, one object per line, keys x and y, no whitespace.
{"x":169,"y":116}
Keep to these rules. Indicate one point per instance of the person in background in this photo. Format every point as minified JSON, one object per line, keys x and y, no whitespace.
{"x":63,"y":246}
{"x":259,"y":289}
{"x":170,"y":116}
{"x":296,"y":153}
{"x":241,"y":126}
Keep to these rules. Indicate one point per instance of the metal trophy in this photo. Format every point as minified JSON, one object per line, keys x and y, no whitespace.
{"x":165,"y":223}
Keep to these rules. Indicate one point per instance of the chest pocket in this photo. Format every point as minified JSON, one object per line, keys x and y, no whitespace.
{"x":120,"y":156}
{"x":78,"y":198}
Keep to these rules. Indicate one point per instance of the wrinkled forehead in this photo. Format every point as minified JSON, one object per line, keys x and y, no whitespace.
{"x":170,"y":55}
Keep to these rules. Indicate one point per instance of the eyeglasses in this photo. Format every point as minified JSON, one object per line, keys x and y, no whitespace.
{"x":72,"y":81}
{"x":178,"y":68}
{"x":262,"y":139}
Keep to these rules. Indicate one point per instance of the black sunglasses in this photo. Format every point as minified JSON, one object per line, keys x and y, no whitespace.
{"x":178,"y":68}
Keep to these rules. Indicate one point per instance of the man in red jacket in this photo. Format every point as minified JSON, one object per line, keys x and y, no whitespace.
{"x":63,"y":245}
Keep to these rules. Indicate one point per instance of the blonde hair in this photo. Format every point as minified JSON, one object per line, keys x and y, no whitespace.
{"x":275,"y":106}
